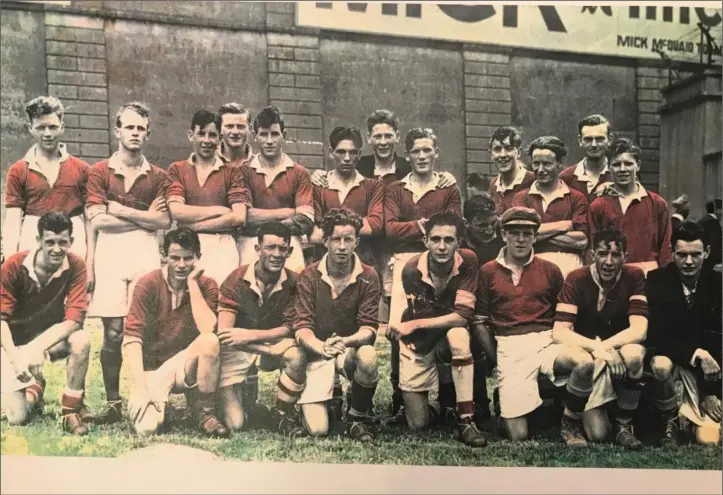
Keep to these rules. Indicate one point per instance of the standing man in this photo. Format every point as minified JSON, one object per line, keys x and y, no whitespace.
{"x":681,"y":209}
{"x":280,"y":190}
{"x":591,"y":175}
{"x":336,"y":319}
{"x":602,"y":309}
{"x":347,"y":188}
{"x":235,"y":130}
{"x":46,"y":179}
{"x":513,"y":177}
{"x":43,"y":301}
{"x":440,"y":284}
{"x":641,"y":215}
{"x":685,"y":336}
{"x":126,"y":206}
{"x":169,"y":341}
{"x":208,"y":196}
{"x":562,"y":237}
{"x":516,"y":298}
{"x":255,"y":322}
{"x":711,"y":225}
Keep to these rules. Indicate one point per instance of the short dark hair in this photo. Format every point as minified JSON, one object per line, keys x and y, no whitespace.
{"x":44,"y":105}
{"x":419,"y":133}
{"x":55,"y":221}
{"x":446,"y":218}
{"x":382,"y":116}
{"x":267,"y":117}
{"x":274,"y":228}
{"x":203,"y":117}
{"x":478,"y":181}
{"x":689,"y":231}
{"x":552,"y":143}
{"x":137,"y":107}
{"x":504,"y":132}
{"x":592,"y":120}
{"x":234,"y":108}
{"x":340,"y":216}
{"x":184,"y":237}
{"x":342,"y":133}
{"x":623,"y":145}
{"x":479,"y":205}
{"x":711,"y":205}
{"x":608,"y":236}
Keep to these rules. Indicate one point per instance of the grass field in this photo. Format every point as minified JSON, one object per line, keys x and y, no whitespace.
{"x":43,"y":436}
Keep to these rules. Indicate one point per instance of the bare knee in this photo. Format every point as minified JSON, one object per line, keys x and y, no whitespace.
{"x":596,"y":424}
{"x":583,"y":363}
{"x":294,"y":358}
{"x":79,"y":343}
{"x":418,"y":421}
{"x":516,"y":429}
{"x":633,"y":356}
{"x":112,"y":332}
{"x":662,"y":368}
{"x":146,"y":428}
{"x":707,"y":435}
{"x":366,"y":360}
{"x":208,"y":344}
{"x":233,"y":413}
{"x":459,"y":341}
{"x":317,"y":428}
{"x":17,"y":414}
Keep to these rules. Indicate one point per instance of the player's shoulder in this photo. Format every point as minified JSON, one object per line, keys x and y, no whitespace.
{"x":489,"y":268}
{"x":368,"y":272}
{"x":156,"y":170}
{"x":545,"y":266}
{"x":207,"y":283}
{"x":76,"y":162}
{"x":179,"y":165}
{"x":101,"y":166}
{"x":412,"y":262}
{"x":152,"y":280}
{"x":309,"y":273}
{"x":300,"y":170}
{"x":529,"y":178}
{"x":469,"y":258}
{"x":578,"y":276}
{"x":631,"y":272}
{"x":74,"y":261}
{"x":576,"y":195}
{"x":20,"y":167}
{"x":15,"y":261}
{"x":658,"y":200}
{"x":291,"y":277}
{"x":568,"y":173}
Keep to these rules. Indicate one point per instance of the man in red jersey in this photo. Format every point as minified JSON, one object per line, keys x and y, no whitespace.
{"x":337,"y":305}
{"x":641,"y":215}
{"x":235,"y":130}
{"x":513,"y":177}
{"x":126,"y":206}
{"x":46,"y":179}
{"x":516,"y":298}
{"x":603,"y":310}
{"x":280,"y":190}
{"x":207,"y":195}
{"x":591,"y":175}
{"x":440,"y":284}
{"x":43,"y":301}
{"x":169,"y":341}
{"x":562,"y":237}
{"x":347,"y":188}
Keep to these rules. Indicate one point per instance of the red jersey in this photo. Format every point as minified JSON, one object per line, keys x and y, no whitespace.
{"x":503,"y":195}
{"x":223,"y":187}
{"x":576,"y":178}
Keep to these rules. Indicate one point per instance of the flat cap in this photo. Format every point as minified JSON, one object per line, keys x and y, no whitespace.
{"x":681,"y":200}
{"x":519,"y":215}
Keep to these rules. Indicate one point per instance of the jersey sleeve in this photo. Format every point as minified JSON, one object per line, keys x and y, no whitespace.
{"x":97,"y":191}
{"x":15,"y":188}
{"x":395,"y":228}
{"x":304,"y":195}
{"x":237,"y":190}
{"x":482,"y":305}
{"x":638,"y":304}
{"x":454,"y":201}
{"x":8,"y":297}
{"x":375,"y":208}
{"x":229,"y":293}
{"x":464,"y":302}
{"x":568,"y":300}
{"x":141,"y":311}
{"x":176,"y":190}
{"x":579,"y":212}
{"x":368,"y":309}
{"x":76,"y":303}
{"x":305,"y":303}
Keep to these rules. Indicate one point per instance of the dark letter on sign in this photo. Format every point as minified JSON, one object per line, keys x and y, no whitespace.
{"x":710,"y":21}
{"x":467,"y":13}
{"x":549,"y":15}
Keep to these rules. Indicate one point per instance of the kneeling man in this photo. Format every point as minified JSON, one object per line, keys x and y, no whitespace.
{"x":603,"y":310}
{"x":43,"y":303}
{"x":255,"y":321}
{"x":336,"y":320}
{"x":169,"y":341}
{"x":516,"y":298}
{"x":440,"y":284}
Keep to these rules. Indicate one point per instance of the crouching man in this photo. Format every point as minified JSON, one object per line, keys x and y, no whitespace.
{"x":255,"y":321}
{"x":43,"y":302}
{"x":685,"y":338}
{"x":440,"y":284}
{"x":516,"y":298}
{"x":603,"y":310}
{"x":336,"y":320}
{"x":169,"y":341}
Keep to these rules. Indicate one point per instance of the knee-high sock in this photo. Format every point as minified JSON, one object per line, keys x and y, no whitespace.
{"x":250,"y":386}
{"x":111,"y":361}
{"x":288,"y":394}
{"x":463,"y":377}
{"x":362,"y":394}
{"x":577,"y":393}
{"x":480,"y":395}
{"x":628,"y":391}
{"x":394,"y":372}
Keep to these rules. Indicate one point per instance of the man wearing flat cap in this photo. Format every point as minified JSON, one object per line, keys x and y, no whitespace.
{"x":515,"y":312}
{"x":681,"y":210}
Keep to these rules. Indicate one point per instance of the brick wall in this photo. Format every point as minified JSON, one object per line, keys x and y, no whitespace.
{"x":649,"y":81}
{"x":487,"y":105}
{"x":76,"y":69}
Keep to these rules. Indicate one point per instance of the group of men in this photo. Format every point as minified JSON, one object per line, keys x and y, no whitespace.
{"x":568,"y":274}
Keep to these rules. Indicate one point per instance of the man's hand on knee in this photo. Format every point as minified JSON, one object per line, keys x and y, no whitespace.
{"x":711,"y":405}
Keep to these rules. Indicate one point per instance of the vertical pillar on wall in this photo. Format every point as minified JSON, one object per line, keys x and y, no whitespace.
{"x":76,"y":64}
{"x":487,"y":105}
{"x":295,"y":85}
{"x":649,"y":81}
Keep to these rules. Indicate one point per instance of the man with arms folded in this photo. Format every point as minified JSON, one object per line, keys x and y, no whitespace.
{"x":562,"y":237}
{"x":591,"y":175}
{"x":513,"y":177}
{"x":641,"y":215}
{"x":603,"y":310}
{"x":516,"y":298}
{"x":336,"y":319}
{"x":43,"y":301}
{"x":685,"y":338}
{"x":207,"y":195}
{"x":169,"y":341}
{"x":126,"y":206}
{"x":235,"y":130}
{"x":440,"y":284}
{"x":255,"y":321}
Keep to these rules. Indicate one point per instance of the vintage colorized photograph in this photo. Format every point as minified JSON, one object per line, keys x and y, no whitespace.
{"x":411,"y":234}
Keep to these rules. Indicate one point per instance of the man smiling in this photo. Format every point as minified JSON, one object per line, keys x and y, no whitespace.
{"x":513,"y":177}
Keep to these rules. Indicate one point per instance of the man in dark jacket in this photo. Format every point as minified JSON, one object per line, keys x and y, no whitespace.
{"x":684,"y":337}
{"x":711,"y":225}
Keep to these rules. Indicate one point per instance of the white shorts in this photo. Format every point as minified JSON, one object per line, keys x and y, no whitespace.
{"x":120,"y":260}
{"x":689,"y":397}
{"x":219,"y":256}
{"x":235,"y":364}
{"x":419,"y":372}
{"x":248,"y":255}
{"x":320,"y":378}
{"x":399,"y":299}
{"x":646,"y":266}
{"x":566,"y":262}
{"x":29,"y":232}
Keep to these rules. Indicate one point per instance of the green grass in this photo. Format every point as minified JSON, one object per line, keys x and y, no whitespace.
{"x":44,"y":437}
